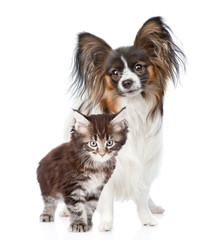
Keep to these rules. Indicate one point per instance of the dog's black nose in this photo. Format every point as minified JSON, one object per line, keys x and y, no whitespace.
{"x":127,"y":83}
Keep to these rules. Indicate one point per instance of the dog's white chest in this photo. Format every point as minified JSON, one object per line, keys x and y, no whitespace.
{"x":142,"y":132}
{"x":137,"y":161}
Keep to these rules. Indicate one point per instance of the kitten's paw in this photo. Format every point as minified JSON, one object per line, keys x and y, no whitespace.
{"x":90,"y":223}
{"x":79,"y":227}
{"x":149,"y":220}
{"x":46,"y":218}
{"x":105,"y":226}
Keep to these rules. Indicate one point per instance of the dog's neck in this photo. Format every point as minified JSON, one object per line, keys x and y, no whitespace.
{"x":138,"y":115}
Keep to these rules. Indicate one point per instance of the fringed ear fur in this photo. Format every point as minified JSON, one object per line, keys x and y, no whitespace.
{"x":165,"y":56}
{"x":81,"y":124}
{"x":88,"y":72}
{"x":119,"y":120}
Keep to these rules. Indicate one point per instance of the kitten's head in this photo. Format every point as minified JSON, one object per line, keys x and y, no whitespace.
{"x":100,"y":136}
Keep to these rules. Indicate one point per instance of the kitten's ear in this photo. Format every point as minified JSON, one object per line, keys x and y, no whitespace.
{"x":119,"y":120}
{"x":82,"y":123}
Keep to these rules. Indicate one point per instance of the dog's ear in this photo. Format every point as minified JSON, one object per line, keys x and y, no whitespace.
{"x":165,"y":56}
{"x":89,"y":68}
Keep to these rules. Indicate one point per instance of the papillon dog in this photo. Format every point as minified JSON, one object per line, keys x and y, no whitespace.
{"x":136,"y":77}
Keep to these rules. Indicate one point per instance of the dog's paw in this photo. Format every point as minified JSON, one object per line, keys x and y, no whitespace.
{"x":64,"y":213}
{"x":149,"y":220}
{"x":80,"y":227}
{"x":157,"y":210}
{"x":46,"y":218}
{"x":105,"y":226}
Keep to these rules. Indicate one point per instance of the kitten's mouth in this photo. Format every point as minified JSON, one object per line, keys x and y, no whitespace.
{"x":100,"y":157}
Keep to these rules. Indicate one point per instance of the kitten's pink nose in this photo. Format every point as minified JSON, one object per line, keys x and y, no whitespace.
{"x":102,"y":154}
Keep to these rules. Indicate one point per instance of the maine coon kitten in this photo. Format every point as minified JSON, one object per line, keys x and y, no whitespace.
{"x":77,"y":171}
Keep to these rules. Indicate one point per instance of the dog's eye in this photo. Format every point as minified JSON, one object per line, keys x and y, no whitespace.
{"x":115,"y":75}
{"x":139,"y":68}
{"x":115,"y":72}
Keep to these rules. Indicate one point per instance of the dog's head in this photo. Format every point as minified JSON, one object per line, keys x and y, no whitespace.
{"x":127,"y":70}
{"x":143,"y":68}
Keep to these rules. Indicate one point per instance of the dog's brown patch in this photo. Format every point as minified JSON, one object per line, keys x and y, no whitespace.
{"x":108,"y":103}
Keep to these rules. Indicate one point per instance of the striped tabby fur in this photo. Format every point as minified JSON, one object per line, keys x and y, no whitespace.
{"x":77,"y":171}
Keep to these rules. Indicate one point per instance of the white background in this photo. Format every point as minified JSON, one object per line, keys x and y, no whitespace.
{"x":37,"y":39}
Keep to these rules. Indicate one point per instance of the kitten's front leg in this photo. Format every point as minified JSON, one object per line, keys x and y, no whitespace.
{"x":76,"y":206}
{"x":78,"y":218}
{"x":106,"y":207}
{"x":50,"y":205}
{"x":91,"y":205}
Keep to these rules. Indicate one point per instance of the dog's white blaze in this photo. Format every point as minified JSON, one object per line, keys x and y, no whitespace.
{"x":128,"y":74}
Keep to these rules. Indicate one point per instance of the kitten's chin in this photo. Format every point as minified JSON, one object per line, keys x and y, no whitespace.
{"x":99,"y":158}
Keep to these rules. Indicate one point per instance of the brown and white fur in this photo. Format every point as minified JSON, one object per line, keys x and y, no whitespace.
{"x":136,"y":77}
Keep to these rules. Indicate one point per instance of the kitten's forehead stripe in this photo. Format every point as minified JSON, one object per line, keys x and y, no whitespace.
{"x":100,"y":126}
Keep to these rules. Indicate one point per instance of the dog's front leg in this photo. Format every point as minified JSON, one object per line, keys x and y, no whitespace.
{"x":106,"y":208}
{"x":144,"y":212}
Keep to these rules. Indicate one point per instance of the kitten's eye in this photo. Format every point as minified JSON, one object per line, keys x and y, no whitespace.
{"x":93,"y":144}
{"x":115,"y":74}
{"x":139,"y":68}
{"x":109,"y":143}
